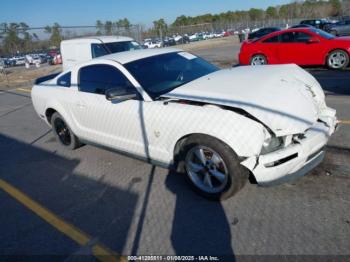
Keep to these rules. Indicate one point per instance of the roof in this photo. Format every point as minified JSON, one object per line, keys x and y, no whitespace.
{"x":129,"y":56}
{"x":99,"y":39}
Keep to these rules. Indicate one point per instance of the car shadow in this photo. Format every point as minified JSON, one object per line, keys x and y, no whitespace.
{"x":101,"y":210}
{"x":200,"y":227}
{"x":335,"y":82}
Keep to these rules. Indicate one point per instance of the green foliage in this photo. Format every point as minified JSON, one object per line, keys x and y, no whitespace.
{"x":297,"y":9}
{"x":100,"y":27}
{"x":160,"y":26}
{"x":256,"y":14}
{"x":109,"y":27}
{"x":16,"y":38}
{"x":271,"y":12}
{"x":56,"y":37}
{"x":123,"y":23}
{"x":336,"y":7}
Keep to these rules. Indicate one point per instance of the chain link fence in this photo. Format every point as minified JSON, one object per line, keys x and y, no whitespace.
{"x":223,"y":26}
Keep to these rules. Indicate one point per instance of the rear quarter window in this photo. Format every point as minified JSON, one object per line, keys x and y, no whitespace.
{"x":274,"y":39}
{"x":64,"y":80}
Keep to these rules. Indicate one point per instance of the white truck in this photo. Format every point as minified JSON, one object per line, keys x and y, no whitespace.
{"x":76,"y":51}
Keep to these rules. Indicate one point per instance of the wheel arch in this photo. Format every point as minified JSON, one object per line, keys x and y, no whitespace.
{"x":52,"y":108}
{"x":48,"y":114}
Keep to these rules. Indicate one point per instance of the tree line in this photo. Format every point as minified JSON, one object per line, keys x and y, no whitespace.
{"x":303,"y":9}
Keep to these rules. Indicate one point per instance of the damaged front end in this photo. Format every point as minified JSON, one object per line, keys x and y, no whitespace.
{"x":292,"y":156}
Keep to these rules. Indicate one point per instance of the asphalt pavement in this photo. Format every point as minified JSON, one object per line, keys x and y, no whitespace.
{"x":91,"y":201}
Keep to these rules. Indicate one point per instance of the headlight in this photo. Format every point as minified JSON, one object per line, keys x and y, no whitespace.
{"x":271,"y":144}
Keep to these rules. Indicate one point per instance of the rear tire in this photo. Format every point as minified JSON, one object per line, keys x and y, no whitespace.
{"x":63,"y":133}
{"x":258,"y":60}
{"x":338,"y":59}
{"x":211,"y":167}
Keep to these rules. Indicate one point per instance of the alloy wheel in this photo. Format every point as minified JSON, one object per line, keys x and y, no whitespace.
{"x":258,"y":60}
{"x":206,"y":169}
{"x":337,"y":59}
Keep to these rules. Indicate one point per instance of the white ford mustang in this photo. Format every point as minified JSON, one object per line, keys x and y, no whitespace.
{"x":172,"y":108}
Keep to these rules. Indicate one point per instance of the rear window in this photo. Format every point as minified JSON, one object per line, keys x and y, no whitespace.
{"x":322,"y":33}
{"x":98,"y":50}
{"x":122,"y":46}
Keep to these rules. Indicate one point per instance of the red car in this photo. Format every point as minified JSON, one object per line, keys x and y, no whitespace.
{"x":301,"y":46}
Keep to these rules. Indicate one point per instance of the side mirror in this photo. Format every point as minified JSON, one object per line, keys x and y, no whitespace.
{"x":313,"y":40}
{"x":120,"y":94}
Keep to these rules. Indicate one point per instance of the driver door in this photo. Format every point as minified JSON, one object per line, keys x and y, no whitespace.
{"x":117,"y":125}
{"x":295,"y":48}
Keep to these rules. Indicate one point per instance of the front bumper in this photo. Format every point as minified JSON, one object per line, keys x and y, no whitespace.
{"x":294,"y":160}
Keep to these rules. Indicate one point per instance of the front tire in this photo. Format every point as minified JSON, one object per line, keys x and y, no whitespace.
{"x":212,"y":168}
{"x":338,"y":59}
{"x":63,"y":133}
{"x":258,"y":60}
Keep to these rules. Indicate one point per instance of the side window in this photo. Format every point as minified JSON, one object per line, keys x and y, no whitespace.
{"x":273,"y":39}
{"x":309,"y":22}
{"x":302,"y":37}
{"x":64,"y":80}
{"x":98,"y":50}
{"x":287,"y":37}
{"x":99,"y":78}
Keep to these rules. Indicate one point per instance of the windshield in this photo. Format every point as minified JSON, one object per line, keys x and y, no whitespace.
{"x":162,"y":73}
{"x":322,"y":33}
{"x":122,"y":46}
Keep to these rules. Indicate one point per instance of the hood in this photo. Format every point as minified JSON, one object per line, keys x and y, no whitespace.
{"x":284,"y":97}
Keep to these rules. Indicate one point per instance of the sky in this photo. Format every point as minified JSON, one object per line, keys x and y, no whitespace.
{"x":85,"y":12}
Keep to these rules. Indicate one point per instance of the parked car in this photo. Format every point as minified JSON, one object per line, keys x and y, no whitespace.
{"x":194,"y":37}
{"x":173,"y":108}
{"x":228,"y":33}
{"x":262,"y":32}
{"x":301,"y":46}
{"x":17,"y":61}
{"x":153,"y":44}
{"x":181,"y":39}
{"x":219,"y":34}
{"x":169,"y":41}
{"x":43,"y":58}
{"x":318,"y":23}
{"x":302,"y":26}
{"x":79,"y":50}
{"x":33,"y":59}
{"x":55,"y":60}
{"x":208,"y":35}
{"x":6,"y":62}
{"x":341,"y":28}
